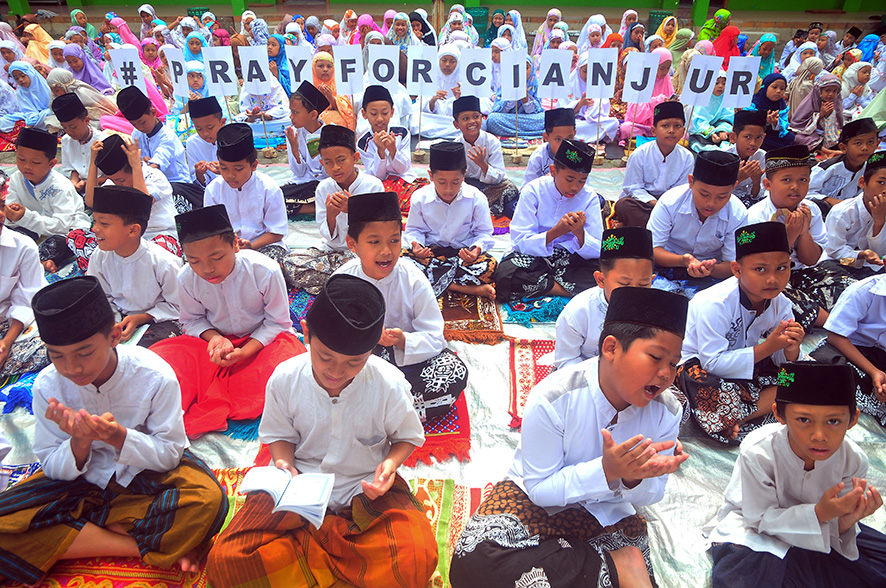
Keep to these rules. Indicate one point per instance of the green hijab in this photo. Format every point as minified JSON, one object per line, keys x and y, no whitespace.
{"x":90,"y":30}
{"x":492,"y":31}
{"x":680,"y":44}
{"x":712,"y":28}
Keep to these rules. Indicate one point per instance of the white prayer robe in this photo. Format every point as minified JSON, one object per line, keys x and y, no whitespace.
{"x":21,"y":276}
{"x":143,"y":395}
{"x":162,"y":221}
{"x":745,"y":187}
{"x":675,"y":225}
{"x":464,"y":222}
{"x":165,"y":150}
{"x":348,"y":435}
{"x":541,"y":206}
{"x":559,"y":461}
{"x":76,"y":156}
{"x":539,"y":164}
{"x":410,"y":305}
{"x":649,"y":174}
{"x":335,"y":240}
{"x":52,"y":207}
{"x":721,"y":330}
{"x":255,"y":209}
{"x":770,"y":500}
{"x":399,"y":165}
{"x":859,"y":313}
{"x":200,"y":150}
{"x":832,"y":179}
{"x":765,"y":211}
{"x":250,"y":301}
{"x":144,"y":282}
{"x":309,"y":168}
{"x":579,"y":327}
{"x":495,"y":161}
{"x":850,"y":229}
{"x":403,"y":110}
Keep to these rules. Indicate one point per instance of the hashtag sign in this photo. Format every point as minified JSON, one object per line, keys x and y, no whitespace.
{"x":127,"y":72}
{"x":128,"y":66}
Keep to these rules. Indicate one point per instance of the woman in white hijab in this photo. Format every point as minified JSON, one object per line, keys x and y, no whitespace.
{"x":591,"y":115}
{"x":436,"y":118}
{"x":804,"y":51}
{"x":53,"y":62}
{"x":61,"y":81}
{"x":605,"y":31}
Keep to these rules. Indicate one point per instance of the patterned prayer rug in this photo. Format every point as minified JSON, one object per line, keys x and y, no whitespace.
{"x":501,"y":225}
{"x":446,"y":436}
{"x":529,"y":366}
{"x":473,"y":319}
{"x":534,"y":310}
{"x":299,"y":304}
{"x":72,"y":270}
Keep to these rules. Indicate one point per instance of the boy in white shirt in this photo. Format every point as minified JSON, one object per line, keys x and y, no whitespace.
{"x":413,"y":335}
{"x":337,"y":409}
{"x":303,"y":139}
{"x":555,"y":233}
{"x":793,"y":507}
{"x":655,"y":166}
{"x":117,"y":478}
{"x":235,"y":315}
{"x":738,"y":332}
{"x":77,"y":140}
{"x":598,"y":440}
{"x":139,"y":277}
{"x":625,"y":260}
{"x":559,"y":125}
{"x":748,"y":133}
{"x":206,"y":114}
{"x":836,"y":179}
{"x":486,"y":165}
{"x":449,"y":229}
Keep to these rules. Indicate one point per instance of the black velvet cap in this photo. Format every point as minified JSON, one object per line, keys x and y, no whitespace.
{"x":576,"y":155}
{"x":67,"y":107}
{"x":859,"y":126}
{"x":312,"y":97}
{"x":71,"y":311}
{"x":717,"y":168}
{"x":818,"y":384}
{"x":747,"y":118}
{"x":816,"y":25}
{"x":337,"y":136}
{"x":448,"y":155}
{"x":348,"y":315}
{"x":761,"y":238}
{"x":111,"y":158}
{"x":855,"y":32}
{"x":374,"y":207}
{"x":234,"y":142}
{"x":465,"y":104}
{"x":132,"y":103}
{"x":791,"y":156}
{"x":202,"y":223}
{"x":37,"y":140}
{"x":626,"y":242}
{"x":669,"y":109}
{"x":374,"y":93}
{"x":648,"y":307}
{"x":875,"y":161}
{"x":559,"y":117}
{"x":204,"y":107}
{"x":122,"y":201}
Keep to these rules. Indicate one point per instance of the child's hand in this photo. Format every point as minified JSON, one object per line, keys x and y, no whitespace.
{"x":231,"y":358}
{"x":15,"y":211}
{"x":637,"y":458}
{"x":293,"y":144}
{"x":421,"y":251}
{"x":826,"y":109}
{"x":832,"y":506}
{"x":133,"y":153}
{"x":393,"y":338}
{"x":869,"y":256}
{"x":869,"y":501}
{"x":794,"y":332}
{"x":201,"y":167}
{"x":391,"y":144}
{"x":772,"y":118}
{"x":878,"y":382}
{"x":578,"y":223}
{"x":469,"y":256}
{"x":337,"y":202}
{"x":441,"y":95}
{"x":380,"y":139}
{"x":195,"y":96}
{"x":477,"y":154}
{"x":132,"y":322}
{"x":213,"y":167}
{"x":286,"y":467}
{"x":384,"y":479}
{"x":456,"y":91}
{"x":857,"y":90}
{"x":80,"y":185}
{"x":878,"y":208}
{"x":797,"y":222}
{"x":700,"y":269}
{"x":244,"y":243}
{"x":94,"y":150}
{"x":219,"y":349}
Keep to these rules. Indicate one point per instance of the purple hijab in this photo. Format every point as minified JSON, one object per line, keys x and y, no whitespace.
{"x":93,"y":48}
{"x":90,"y":74}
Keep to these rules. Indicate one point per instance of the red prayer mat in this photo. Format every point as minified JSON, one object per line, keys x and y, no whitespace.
{"x":470,"y":318}
{"x":526,"y":371}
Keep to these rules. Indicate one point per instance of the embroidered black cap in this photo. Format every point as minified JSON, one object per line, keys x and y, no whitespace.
{"x":818,"y":384}
{"x":626,"y":242}
{"x":761,"y":238}
{"x":669,"y":109}
{"x":576,"y":155}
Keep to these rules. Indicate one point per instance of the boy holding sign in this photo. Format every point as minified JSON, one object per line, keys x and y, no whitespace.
{"x":303,"y":138}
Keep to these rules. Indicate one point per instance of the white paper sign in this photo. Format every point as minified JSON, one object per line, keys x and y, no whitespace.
{"x":513,"y":75}
{"x":553,"y":74}
{"x":602,"y":73}
{"x":640,"y":77}
{"x":256,"y":70}
{"x":475,"y":74}
{"x":348,"y":68}
{"x":128,"y":66}
{"x":177,"y":72}
{"x":700,"y":80}
{"x":741,"y":81}
{"x":422,"y":70}
{"x":218,"y":71}
{"x":384,"y":66}
{"x":299,"y":59}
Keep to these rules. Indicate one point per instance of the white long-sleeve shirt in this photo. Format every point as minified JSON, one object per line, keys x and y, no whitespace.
{"x":579,"y":327}
{"x":399,"y":165}
{"x":162,"y":221}
{"x":363,"y":184}
{"x":746,"y":186}
{"x":649,"y":174}
{"x":166,"y":151}
{"x":251,"y":301}
{"x":464,"y":222}
{"x":143,"y":395}
{"x":52,"y":207}
{"x":144,"y":282}
{"x":722,"y":329}
{"x":21,"y":276}
{"x":859,"y":313}
{"x":850,"y":229}
{"x":832,"y":179}
{"x":255,"y":209}
{"x":559,"y":461}
{"x":770,"y":500}
{"x":675,"y":226}
{"x":495,"y":161}
{"x":348,"y":435}
{"x":200,"y":150}
{"x":309,"y":168}
{"x":539,"y":164}
{"x":76,"y":156}
{"x":765,"y":211}
{"x":410,"y":305}
{"x":540,"y":208}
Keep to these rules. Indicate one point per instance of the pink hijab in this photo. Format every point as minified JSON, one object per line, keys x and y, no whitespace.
{"x":365,"y":19}
{"x":384,"y":23}
{"x":157,"y":63}
{"x":663,"y":89}
{"x":705,"y":47}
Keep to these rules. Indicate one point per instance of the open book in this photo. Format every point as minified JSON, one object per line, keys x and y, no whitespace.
{"x":305,"y":494}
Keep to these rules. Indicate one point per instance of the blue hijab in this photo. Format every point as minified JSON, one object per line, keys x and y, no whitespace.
{"x":282,"y":64}
{"x":867,"y":46}
{"x":34,"y":100}
{"x":187,"y":50}
{"x":762,"y":102}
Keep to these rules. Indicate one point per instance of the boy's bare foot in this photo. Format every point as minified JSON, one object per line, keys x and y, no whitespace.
{"x":189,"y":563}
{"x":731,"y":432}
{"x":49,"y":266}
{"x":486,"y":290}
